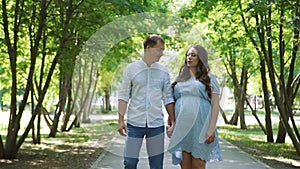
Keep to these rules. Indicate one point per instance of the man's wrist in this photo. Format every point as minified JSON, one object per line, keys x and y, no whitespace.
{"x":121,"y":117}
{"x":172,"y":120}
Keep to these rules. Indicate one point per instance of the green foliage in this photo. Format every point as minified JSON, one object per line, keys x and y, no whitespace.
{"x":129,"y":49}
{"x":226,"y":36}
{"x":217,"y":25}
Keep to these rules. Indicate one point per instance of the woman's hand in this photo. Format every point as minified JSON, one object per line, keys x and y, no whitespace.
{"x":210,"y":139}
{"x":170,"y":130}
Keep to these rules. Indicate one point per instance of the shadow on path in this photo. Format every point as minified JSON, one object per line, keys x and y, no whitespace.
{"x":233,"y":157}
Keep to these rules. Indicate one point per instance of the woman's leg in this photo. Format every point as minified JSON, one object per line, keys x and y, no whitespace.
{"x":186,"y":162}
{"x":198,"y":163}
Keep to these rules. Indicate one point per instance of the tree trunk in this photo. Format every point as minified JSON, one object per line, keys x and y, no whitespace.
{"x":35,"y":138}
{"x":62,"y":97}
{"x":235,"y":116}
{"x":107,"y":100}
{"x":244,"y":81}
{"x":10,"y":148}
{"x":86,"y":93}
{"x":68,"y":110}
{"x":73,"y":101}
{"x":92,"y":96}
{"x":221,"y":96}
{"x":1,"y":148}
{"x":54,"y":125}
{"x":238,"y":91}
{"x":38,"y":132}
{"x":281,"y":134}
{"x":266,"y":96}
{"x":224,"y":116}
{"x":68,"y":89}
{"x":85,"y":118}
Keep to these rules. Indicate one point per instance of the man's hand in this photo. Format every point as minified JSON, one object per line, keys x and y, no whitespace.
{"x":122,"y":129}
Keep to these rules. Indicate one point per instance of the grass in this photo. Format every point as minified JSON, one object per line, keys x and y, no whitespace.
{"x":76,"y":149}
{"x":249,"y":112}
{"x":253,"y":141}
{"x":259,"y":112}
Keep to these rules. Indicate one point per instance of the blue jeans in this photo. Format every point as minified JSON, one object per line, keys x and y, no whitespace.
{"x":154,"y":145}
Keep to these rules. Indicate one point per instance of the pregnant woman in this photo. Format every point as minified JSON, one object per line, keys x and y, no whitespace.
{"x":194,"y":140}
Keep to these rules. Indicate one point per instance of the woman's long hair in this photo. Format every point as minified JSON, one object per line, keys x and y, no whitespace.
{"x":202,"y":70}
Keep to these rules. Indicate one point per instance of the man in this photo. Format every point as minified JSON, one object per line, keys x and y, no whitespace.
{"x":146,"y":83}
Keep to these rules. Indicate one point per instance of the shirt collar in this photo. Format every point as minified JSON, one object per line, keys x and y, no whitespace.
{"x":144,"y":63}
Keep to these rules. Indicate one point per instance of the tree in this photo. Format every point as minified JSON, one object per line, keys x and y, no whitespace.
{"x":67,"y":58}
{"x":263,"y":73}
{"x":266,"y":21}
{"x":11,"y":144}
{"x":36,"y":27}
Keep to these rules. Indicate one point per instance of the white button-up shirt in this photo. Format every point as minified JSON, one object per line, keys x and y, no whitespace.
{"x":145,"y":89}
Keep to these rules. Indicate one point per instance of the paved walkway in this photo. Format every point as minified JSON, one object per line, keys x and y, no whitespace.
{"x":233,"y":157}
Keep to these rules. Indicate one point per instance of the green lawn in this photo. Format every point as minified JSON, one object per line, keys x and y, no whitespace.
{"x":76,"y":149}
{"x":253,"y":141}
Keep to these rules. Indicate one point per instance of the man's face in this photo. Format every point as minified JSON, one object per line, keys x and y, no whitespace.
{"x":156,"y":51}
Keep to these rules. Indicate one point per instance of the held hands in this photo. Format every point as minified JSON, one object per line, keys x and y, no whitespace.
{"x":122,"y":129}
{"x":170,"y":130}
{"x":170,"y":127}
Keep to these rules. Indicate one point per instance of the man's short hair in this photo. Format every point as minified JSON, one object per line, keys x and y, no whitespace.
{"x":152,"y":40}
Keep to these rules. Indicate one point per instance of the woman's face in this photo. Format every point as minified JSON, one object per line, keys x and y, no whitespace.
{"x":192,"y":58}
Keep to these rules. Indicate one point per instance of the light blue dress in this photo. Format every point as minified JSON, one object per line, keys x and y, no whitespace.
{"x":193,"y":114}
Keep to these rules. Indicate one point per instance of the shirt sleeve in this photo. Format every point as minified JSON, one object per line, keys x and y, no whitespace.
{"x":167,"y":90}
{"x":214,"y":84}
{"x":125,"y":90}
